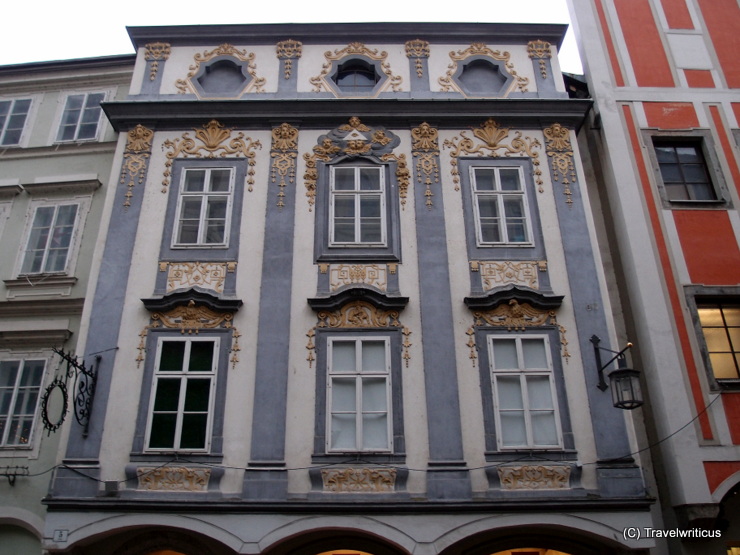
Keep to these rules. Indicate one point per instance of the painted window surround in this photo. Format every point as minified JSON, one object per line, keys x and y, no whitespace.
{"x":714,"y":168}
{"x":322,"y":454}
{"x":533,"y":249}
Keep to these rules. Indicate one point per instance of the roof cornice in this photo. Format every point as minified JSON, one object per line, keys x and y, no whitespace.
{"x":331,"y":112}
{"x":318,"y":33}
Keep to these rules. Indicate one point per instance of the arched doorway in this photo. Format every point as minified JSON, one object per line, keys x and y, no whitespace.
{"x":531,"y":541}
{"x":335,"y":542}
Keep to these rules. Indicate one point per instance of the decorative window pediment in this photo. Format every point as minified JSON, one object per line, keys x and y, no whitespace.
{"x":224,"y":72}
{"x":356,"y":71}
{"x":482,"y":72}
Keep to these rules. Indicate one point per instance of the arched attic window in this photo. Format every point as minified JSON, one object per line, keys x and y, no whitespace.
{"x":222,"y":77}
{"x":356,"y":76}
{"x":481,"y":77}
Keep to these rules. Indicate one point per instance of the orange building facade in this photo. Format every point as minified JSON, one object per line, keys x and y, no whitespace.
{"x":663,"y":144}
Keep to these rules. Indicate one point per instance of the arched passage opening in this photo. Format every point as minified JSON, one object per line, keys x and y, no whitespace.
{"x":152,"y":541}
{"x":335,"y":542}
{"x":531,"y":541}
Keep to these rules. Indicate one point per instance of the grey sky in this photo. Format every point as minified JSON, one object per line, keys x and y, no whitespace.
{"x":44,"y":30}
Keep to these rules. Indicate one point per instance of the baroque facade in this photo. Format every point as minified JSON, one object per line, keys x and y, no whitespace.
{"x":663,"y":144}
{"x":56,"y":153}
{"x":347,"y":289}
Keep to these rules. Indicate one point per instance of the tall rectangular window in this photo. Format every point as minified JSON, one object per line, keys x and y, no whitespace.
{"x":683,"y":170}
{"x":204,"y":207}
{"x":357,"y":208}
{"x":720,"y":325}
{"x":500,"y":206}
{"x":20,"y":383}
{"x":81,"y":117}
{"x":50,"y":239}
{"x":524,"y":400}
{"x":13,"y":115}
{"x":358,"y":396}
{"x":182,"y":394}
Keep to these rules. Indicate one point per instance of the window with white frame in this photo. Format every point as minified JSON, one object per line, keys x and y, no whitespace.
{"x":20,"y":384}
{"x":13,"y":115}
{"x":500,"y":206}
{"x":524,"y":395}
{"x":50,"y":238}
{"x":183,"y":389}
{"x":81,"y":117}
{"x":357,"y":212}
{"x":204,"y":207}
{"x":358,"y":395}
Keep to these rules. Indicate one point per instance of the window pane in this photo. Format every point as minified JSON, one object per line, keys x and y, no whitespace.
{"x":370,"y":231}
{"x":375,"y":431}
{"x":711,"y":317}
{"x":509,"y":392}
{"x":490,"y":232}
{"x":487,"y":206}
{"x":343,"y":395}
{"x":695,"y":173}
{"x":513,"y":207}
{"x":665,"y":154}
{"x":369,"y":206}
{"x":201,"y":356}
{"x":172,"y":356}
{"x":220,"y":180}
{"x":193,"y":435}
{"x":343,"y":356}
{"x":732,"y":315}
{"x":544,"y":431}
{"x":344,"y":207}
{"x":534,"y":353}
{"x":162,"y":435}
{"x":216,"y":208}
{"x":510,"y":180}
{"x":513,"y":431}
{"x":191,"y":207}
{"x":485,"y":179}
{"x":369,"y":179}
{"x":538,"y":392}
{"x":723,"y":366}
{"x":504,"y":354}
{"x":344,"y":179}
{"x":716,"y":339}
{"x":374,"y":395}
{"x":8,"y":372}
{"x":688,"y":154}
{"x":215,"y":233}
{"x":197,"y":395}
{"x":373,"y":356}
{"x":343,"y":432}
{"x":167,"y":397}
{"x":194,"y":180}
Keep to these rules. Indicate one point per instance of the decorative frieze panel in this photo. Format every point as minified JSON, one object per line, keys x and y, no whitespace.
{"x":135,"y":160}
{"x":206,"y":275}
{"x":359,"y":480}
{"x":255,"y":84}
{"x":534,"y":477}
{"x":375,"y":275}
{"x":560,"y":152}
{"x":212,"y":141}
{"x":515,"y":316}
{"x":425,"y":148}
{"x":173,"y":478}
{"x":289,"y":50}
{"x":498,"y":274}
{"x":358,"y":314}
{"x":489,"y":140}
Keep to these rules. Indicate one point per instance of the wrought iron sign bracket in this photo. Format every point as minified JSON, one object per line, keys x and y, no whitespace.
{"x":83,"y":391}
